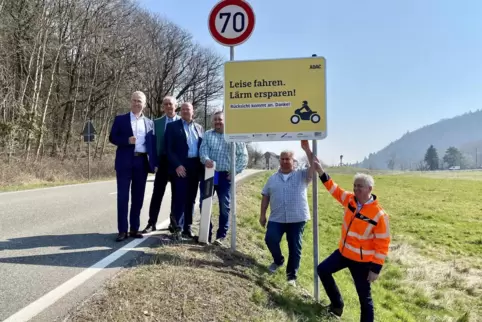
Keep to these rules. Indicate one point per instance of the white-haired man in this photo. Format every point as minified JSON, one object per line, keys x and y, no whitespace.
{"x":286,"y":192}
{"x":136,"y":156}
{"x":364,"y":242}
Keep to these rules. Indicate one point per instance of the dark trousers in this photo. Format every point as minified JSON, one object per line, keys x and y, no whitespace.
{"x":294,"y":236}
{"x":137,"y":176}
{"x":359,"y":271}
{"x":223,"y":191}
{"x":160,"y":183}
{"x":185,"y":192}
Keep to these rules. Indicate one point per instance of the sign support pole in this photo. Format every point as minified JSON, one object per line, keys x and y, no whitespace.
{"x":316,"y":288}
{"x":88,"y":144}
{"x":233,"y":181}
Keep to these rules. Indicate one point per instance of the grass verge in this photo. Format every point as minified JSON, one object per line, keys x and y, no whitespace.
{"x":50,"y":172}
{"x":433,"y":272}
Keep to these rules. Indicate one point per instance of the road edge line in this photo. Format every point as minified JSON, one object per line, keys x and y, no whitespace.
{"x":50,"y":298}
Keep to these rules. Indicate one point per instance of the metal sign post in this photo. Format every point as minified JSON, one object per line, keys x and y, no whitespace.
{"x":233,"y":181}
{"x":316,"y":289}
{"x":88,"y":153}
{"x":231,"y":22}
{"x":300,"y":83}
{"x":89,"y":136}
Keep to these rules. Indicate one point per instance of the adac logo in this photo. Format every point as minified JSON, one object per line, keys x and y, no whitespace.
{"x":318,"y":66}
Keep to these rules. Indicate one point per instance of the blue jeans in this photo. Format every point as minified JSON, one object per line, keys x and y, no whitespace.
{"x":223,"y":190}
{"x":359,"y":271}
{"x":294,"y":236}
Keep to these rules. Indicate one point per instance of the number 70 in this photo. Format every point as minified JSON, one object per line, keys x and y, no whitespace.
{"x":238,"y":18}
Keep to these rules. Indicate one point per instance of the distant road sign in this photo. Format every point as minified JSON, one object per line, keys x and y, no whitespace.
{"x":231,"y":22}
{"x":89,"y":132}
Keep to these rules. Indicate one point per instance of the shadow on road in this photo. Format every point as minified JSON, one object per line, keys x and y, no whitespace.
{"x":65,"y":242}
{"x":75,"y":250}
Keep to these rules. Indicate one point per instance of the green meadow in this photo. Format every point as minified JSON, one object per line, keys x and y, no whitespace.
{"x":433,"y":271}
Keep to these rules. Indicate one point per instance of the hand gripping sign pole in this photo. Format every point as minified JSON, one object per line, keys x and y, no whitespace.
{"x":210,"y":179}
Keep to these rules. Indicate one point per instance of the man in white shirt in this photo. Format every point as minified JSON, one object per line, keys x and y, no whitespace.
{"x":136,"y":156}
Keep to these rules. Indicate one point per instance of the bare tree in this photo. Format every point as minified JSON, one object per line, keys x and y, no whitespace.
{"x":255,"y":154}
{"x":422,"y":166}
{"x":63,"y":62}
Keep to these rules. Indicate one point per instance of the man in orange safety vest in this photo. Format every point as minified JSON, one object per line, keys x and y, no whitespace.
{"x":364,"y":242}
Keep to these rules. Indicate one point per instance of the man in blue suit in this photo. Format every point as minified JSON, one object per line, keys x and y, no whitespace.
{"x":169,"y":105}
{"x":183,"y":140}
{"x":136,"y":156}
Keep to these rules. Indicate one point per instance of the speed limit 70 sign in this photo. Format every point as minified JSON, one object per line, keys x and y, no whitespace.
{"x":231,"y":22}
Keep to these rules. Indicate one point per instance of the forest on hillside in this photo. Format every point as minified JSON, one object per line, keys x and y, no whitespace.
{"x":463,"y":133}
{"x":63,"y":62}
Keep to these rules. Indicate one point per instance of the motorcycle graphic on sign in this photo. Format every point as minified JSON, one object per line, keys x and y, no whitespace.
{"x":304,"y":113}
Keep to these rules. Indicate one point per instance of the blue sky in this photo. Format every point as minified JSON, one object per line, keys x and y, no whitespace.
{"x":392,"y":66}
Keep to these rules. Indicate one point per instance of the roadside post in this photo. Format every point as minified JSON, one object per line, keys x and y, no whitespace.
{"x":231,"y":23}
{"x":89,"y":136}
{"x":269,"y":100}
{"x":278,"y":100}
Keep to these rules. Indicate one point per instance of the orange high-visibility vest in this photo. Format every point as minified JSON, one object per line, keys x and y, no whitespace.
{"x":365,"y":235}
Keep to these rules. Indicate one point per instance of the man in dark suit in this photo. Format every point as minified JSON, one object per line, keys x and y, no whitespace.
{"x":136,"y":156}
{"x":162,"y":175}
{"x":183,"y":140}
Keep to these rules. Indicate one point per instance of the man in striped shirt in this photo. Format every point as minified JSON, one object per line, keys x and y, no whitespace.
{"x":215,"y":149}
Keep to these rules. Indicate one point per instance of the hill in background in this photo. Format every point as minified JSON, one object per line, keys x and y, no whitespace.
{"x":463,"y":132}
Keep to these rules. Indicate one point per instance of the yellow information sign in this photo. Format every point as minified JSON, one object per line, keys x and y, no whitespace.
{"x":275,"y":100}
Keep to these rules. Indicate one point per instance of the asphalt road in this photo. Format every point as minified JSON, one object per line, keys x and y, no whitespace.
{"x":48,"y":236}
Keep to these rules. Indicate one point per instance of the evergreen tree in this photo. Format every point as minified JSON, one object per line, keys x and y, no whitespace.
{"x":453,"y":157}
{"x":431,"y":158}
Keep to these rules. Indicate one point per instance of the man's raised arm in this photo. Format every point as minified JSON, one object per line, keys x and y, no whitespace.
{"x":337,"y":192}
{"x":305,"y":145}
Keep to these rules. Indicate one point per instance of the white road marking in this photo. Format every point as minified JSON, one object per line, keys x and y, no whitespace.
{"x":55,"y":187}
{"x":53,"y":296}
{"x":35,"y":308}
{"x":62,"y":186}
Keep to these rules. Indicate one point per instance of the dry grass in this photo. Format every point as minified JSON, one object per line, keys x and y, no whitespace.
{"x":444,"y":284}
{"x":49,"y":171}
{"x":189,"y":282}
{"x":455,"y":174}
{"x":433,"y":272}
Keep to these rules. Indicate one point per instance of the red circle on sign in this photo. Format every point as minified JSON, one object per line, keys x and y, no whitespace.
{"x":231,"y":41}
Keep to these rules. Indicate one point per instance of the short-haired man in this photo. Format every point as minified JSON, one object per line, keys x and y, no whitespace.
{"x":169,"y":105}
{"x":364,"y":242}
{"x":215,"y":149}
{"x":136,"y":156}
{"x":286,"y":192}
{"x":183,"y":140}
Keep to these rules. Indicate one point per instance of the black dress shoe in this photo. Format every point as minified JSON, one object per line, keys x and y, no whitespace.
{"x":187,"y":234}
{"x":121,"y":237}
{"x":171,"y":228}
{"x":136,"y":234}
{"x":149,"y":226}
